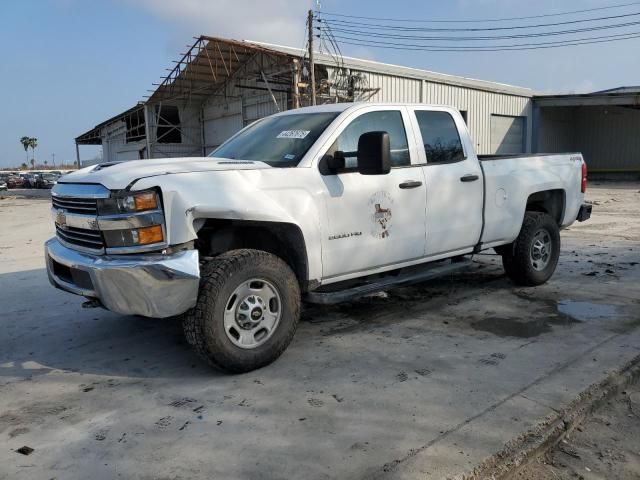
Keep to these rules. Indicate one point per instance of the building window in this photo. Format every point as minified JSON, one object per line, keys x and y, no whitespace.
{"x":168,"y":130}
{"x":440,"y":137}
{"x":135,"y":126}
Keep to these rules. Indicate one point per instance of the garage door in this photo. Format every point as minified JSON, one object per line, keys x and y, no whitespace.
{"x":507,"y":134}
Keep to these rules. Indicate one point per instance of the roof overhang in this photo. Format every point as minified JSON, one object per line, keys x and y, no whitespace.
{"x":588,"y":100}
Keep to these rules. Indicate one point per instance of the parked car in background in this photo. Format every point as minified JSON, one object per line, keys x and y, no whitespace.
{"x":15,"y":181}
{"x":46,"y":180}
{"x":3,"y":185}
{"x":30,"y":179}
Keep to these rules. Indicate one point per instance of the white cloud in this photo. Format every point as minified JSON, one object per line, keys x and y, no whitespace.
{"x":273,"y":21}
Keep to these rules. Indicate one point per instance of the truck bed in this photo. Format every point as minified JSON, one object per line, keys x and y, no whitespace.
{"x":521,"y":155}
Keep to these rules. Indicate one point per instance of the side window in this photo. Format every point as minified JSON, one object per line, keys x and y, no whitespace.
{"x":440,"y":136}
{"x":389,"y":121}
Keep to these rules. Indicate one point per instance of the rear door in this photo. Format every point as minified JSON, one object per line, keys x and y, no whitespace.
{"x":373,"y":221}
{"x":454,"y":182}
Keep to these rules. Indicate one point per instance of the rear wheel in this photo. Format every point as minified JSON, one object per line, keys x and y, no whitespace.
{"x":247,"y":310}
{"x":533,"y":256}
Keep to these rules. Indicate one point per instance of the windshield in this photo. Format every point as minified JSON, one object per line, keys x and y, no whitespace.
{"x":280,"y":141}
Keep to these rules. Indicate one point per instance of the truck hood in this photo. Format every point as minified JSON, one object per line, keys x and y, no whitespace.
{"x":119,"y":175}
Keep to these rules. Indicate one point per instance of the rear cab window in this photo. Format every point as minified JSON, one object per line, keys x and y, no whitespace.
{"x":389,"y":121}
{"x":440,"y":137}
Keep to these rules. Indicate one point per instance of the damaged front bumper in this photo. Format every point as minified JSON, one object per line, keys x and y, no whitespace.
{"x":152,"y":284}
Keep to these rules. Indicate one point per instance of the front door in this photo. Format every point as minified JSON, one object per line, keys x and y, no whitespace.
{"x":373,"y":221}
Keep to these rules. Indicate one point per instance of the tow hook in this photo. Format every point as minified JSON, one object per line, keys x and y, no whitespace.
{"x":92,"y":303}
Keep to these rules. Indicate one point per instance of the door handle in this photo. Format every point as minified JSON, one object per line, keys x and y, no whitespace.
{"x":410,"y":184}
{"x":469,"y":178}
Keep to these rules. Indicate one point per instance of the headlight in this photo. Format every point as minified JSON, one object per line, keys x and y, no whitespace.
{"x":132,"y":220}
{"x":136,"y":202}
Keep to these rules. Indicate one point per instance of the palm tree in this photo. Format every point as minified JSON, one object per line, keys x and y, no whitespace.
{"x":33,"y":163}
{"x":33,"y":143}
{"x":24,"y":166}
{"x":25,"y":143}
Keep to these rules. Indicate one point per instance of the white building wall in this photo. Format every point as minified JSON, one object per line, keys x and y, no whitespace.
{"x":114,"y":143}
{"x":225,"y":114}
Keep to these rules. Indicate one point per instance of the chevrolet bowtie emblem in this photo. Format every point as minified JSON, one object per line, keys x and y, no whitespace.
{"x":61,"y":218}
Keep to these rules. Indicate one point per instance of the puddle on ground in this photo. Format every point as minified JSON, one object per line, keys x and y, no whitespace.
{"x":512,"y":327}
{"x":582,"y":311}
{"x":568,"y":312}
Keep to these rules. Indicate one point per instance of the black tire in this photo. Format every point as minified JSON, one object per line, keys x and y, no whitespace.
{"x":204,"y":324}
{"x":518,"y":260}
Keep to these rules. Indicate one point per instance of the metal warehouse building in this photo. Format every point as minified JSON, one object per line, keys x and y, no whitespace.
{"x":221,"y":85}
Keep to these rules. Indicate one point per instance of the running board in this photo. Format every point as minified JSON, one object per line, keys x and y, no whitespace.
{"x":401,"y":280}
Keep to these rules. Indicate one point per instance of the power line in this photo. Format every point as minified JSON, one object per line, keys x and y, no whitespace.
{"x":486,"y":20}
{"x":481,"y":47}
{"x":397,"y":36}
{"x":347,"y":24}
{"x":409,"y":47}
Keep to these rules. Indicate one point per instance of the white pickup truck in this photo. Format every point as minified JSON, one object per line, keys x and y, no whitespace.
{"x":319,"y":204}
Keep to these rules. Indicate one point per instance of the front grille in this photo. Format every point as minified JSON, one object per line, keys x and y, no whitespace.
{"x":85,"y":206}
{"x":90,"y":239}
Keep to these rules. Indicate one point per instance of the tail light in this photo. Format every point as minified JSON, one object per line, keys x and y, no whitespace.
{"x":583,"y":183}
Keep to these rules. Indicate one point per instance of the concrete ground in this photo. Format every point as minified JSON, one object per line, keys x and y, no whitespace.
{"x":422,"y":382}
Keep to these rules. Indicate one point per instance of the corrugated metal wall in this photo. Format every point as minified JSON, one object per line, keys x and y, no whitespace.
{"x":478,"y":104}
{"x":225,"y":114}
{"x":608,"y":137}
{"x":555,"y":131}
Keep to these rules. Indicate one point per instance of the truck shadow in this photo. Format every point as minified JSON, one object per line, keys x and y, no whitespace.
{"x":43,"y":329}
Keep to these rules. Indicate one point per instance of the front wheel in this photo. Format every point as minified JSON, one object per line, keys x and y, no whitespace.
{"x":533,"y":256}
{"x":247,"y":310}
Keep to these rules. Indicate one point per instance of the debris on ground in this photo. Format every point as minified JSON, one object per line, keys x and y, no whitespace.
{"x":25,"y":450}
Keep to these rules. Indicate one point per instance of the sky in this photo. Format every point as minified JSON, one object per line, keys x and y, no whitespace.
{"x":67,"y":65}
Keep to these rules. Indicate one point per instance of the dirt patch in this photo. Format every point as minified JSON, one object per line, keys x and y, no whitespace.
{"x":605,"y":446}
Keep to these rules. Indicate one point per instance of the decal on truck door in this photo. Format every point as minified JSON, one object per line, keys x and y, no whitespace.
{"x":381,"y":217}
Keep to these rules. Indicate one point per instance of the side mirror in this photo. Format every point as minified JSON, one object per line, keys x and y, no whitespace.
{"x":336,"y":161}
{"x":374,"y":153}
{"x":332,"y":164}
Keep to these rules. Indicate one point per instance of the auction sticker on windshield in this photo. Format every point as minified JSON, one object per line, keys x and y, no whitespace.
{"x":293,"y":133}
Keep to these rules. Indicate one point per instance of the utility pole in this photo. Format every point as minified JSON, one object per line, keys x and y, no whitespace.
{"x":312,"y":69}
{"x":296,"y":82}
{"x":53,"y":158}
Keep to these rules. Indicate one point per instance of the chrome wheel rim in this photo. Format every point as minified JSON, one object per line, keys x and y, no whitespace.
{"x":252,"y":313}
{"x":541,"y":250}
